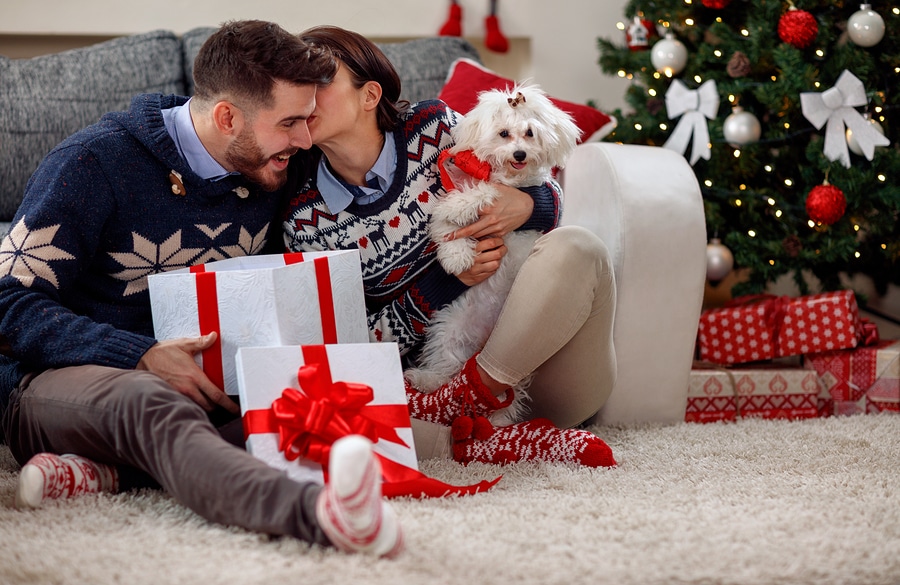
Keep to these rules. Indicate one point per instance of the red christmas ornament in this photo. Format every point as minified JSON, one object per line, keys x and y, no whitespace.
{"x":826,"y":204}
{"x":717,"y":4}
{"x":798,"y":28}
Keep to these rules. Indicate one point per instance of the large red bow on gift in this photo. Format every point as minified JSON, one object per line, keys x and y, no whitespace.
{"x":309,"y":422}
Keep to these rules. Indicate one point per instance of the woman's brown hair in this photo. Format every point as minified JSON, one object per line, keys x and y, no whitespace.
{"x":365,"y":62}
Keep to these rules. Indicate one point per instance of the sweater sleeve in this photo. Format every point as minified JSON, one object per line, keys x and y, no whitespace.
{"x":404,"y":320}
{"x":547,"y":206}
{"x":55,"y":235}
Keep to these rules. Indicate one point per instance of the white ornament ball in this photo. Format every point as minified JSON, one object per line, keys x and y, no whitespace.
{"x":669,"y":55}
{"x":854,"y":144}
{"x":741,"y":127}
{"x":719,"y":260}
{"x":865,"y":27}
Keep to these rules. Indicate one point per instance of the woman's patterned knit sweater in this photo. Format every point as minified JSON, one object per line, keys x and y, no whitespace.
{"x":404,"y":283}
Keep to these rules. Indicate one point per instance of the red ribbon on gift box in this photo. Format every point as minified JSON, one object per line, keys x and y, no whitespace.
{"x":208,"y":310}
{"x":774,"y":308}
{"x":309,"y":422}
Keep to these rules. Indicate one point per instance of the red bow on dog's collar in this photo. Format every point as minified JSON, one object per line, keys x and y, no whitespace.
{"x":467,"y":162}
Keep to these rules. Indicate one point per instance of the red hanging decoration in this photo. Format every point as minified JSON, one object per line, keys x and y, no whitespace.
{"x":798,"y":28}
{"x":717,"y":4}
{"x":453,"y":26}
{"x":494,"y":39}
{"x":826,"y":204}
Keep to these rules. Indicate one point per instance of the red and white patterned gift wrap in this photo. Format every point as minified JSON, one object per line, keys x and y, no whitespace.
{"x":752,"y":391}
{"x":711,"y":396}
{"x":264,"y":300}
{"x":858,"y":381}
{"x":762,"y":328}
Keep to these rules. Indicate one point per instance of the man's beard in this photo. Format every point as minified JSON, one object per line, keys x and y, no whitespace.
{"x":247,"y":158}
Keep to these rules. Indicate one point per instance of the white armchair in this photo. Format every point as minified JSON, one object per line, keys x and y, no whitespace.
{"x":645,"y":203}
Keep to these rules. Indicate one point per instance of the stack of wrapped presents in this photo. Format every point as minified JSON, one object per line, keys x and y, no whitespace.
{"x":782,"y":357}
{"x":292,"y":344}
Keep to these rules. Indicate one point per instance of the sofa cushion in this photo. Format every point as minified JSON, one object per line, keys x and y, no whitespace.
{"x":468,"y":78}
{"x":191,"y":41}
{"x":47,"y":98}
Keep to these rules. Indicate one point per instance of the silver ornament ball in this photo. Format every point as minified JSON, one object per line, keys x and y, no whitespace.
{"x":865,"y":27}
{"x":669,"y":55}
{"x":741,"y":127}
{"x":719,"y":260}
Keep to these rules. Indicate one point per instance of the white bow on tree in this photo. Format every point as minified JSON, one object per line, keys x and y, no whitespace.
{"x":836,"y":106}
{"x":694,"y":107}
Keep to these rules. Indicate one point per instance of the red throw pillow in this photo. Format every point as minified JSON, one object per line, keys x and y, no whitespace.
{"x":468,"y":78}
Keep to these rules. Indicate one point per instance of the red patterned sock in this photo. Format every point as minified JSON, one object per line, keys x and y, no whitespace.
{"x":536,"y":440}
{"x":350,"y":509}
{"x":465,"y":394}
{"x":47,"y":476}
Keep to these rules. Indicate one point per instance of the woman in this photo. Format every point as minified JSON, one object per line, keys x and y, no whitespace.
{"x":373,"y":179}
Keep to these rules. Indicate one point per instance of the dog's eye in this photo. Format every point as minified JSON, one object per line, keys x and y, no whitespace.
{"x":504,"y":134}
{"x":529,"y":133}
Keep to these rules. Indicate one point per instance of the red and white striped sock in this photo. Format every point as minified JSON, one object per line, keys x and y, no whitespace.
{"x":48,"y":476}
{"x":536,"y":440}
{"x":465,"y":394}
{"x":350,"y":509}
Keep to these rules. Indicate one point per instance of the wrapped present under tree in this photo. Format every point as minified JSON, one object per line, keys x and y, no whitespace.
{"x":764,"y":327}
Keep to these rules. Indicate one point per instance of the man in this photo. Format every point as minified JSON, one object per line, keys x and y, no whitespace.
{"x":170,"y":183}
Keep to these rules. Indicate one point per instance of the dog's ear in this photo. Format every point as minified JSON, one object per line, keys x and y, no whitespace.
{"x":562,"y":133}
{"x":469,"y":131}
{"x":567,"y":133}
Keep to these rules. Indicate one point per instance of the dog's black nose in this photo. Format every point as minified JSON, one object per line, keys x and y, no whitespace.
{"x":519,"y":155}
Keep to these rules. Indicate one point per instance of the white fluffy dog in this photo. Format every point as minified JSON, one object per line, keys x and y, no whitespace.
{"x":520,"y":136}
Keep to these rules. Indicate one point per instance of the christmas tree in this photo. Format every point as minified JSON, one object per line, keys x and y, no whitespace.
{"x":776,"y":85}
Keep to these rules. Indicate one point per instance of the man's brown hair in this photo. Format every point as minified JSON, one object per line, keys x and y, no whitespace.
{"x":243,"y":59}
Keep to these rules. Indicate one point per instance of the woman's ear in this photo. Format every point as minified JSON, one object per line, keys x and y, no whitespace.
{"x":371,"y":94}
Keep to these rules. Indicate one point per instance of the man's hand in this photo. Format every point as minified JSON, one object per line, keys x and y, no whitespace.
{"x":508,"y":213}
{"x":488,"y":253}
{"x":173,"y":361}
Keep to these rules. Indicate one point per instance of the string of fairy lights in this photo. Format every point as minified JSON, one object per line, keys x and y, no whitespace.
{"x":669,"y":57}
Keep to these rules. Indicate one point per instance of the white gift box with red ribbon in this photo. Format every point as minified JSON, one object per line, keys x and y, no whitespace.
{"x":264,"y":300}
{"x":340,"y":389}
{"x":296,"y":401}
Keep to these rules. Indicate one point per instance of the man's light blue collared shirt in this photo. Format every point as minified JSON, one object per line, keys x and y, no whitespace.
{"x":181,"y":128}
{"x":338,"y":195}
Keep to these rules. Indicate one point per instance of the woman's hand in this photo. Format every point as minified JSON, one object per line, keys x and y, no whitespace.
{"x":173,"y":361}
{"x":508,"y":212}
{"x":488,"y":253}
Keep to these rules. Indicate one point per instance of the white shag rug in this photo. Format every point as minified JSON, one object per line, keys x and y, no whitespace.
{"x":752,"y":502}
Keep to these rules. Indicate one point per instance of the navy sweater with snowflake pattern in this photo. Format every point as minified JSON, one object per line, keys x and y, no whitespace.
{"x":404,"y":283}
{"x":98,"y":216}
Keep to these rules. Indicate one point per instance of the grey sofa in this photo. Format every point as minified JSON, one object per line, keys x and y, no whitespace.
{"x":44,"y":99}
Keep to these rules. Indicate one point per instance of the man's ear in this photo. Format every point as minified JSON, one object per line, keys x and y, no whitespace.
{"x":229,"y":119}
{"x":372,"y":94}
